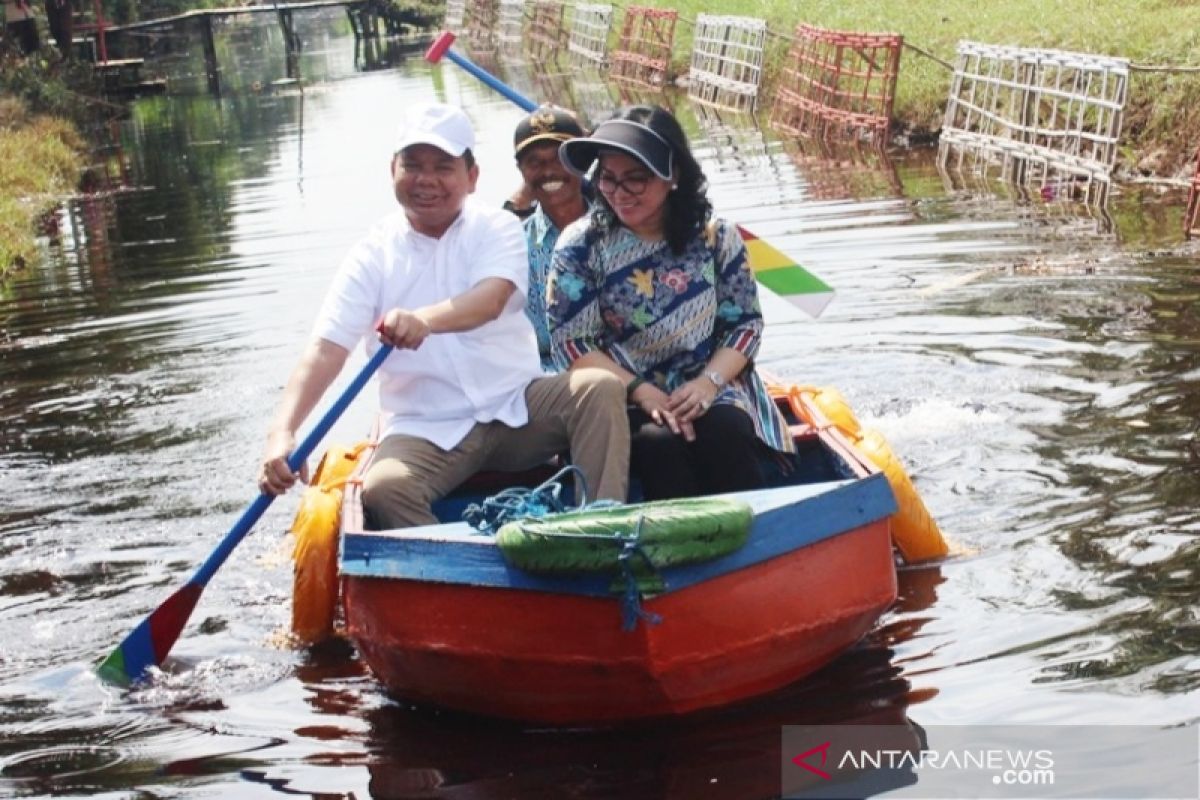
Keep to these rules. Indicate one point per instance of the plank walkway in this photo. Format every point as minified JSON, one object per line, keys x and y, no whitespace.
{"x":222,"y":12}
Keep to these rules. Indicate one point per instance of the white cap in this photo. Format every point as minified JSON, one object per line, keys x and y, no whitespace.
{"x":445,"y":127}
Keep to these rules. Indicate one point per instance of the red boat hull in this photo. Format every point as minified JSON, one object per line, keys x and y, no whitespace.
{"x":561,"y":658}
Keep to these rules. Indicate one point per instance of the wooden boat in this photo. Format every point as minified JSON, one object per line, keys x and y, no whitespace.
{"x":440,"y":616}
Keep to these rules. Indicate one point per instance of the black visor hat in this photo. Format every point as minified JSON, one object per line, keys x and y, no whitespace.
{"x":623,"y":135}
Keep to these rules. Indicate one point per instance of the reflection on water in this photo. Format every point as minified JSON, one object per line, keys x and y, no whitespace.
{"x":732,"y":755}
{"x":1038,"y":379}
{"x":846,"y":170}
{"x":1063,"y":208}
{"x":250,"y":50}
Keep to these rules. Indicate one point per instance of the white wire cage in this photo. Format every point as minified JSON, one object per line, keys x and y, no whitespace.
{"x":727,"y":61}
{"x":1045,"y":117}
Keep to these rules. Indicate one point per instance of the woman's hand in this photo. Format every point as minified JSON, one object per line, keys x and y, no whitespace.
{"x":693,"y":399}
{"x":657,"y":405}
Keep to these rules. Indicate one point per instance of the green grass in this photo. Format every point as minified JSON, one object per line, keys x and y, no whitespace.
{"x":41,"y":158}
{"x":1163,"y":115}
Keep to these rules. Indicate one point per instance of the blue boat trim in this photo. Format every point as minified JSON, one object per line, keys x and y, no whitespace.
{"x":785,"y":519}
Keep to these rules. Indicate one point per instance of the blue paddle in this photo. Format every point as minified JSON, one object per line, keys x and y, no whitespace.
{"x":150,"y":642}
{"x":441,"y":47}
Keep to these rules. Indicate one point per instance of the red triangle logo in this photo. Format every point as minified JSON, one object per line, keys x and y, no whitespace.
{"x":802,"y":760}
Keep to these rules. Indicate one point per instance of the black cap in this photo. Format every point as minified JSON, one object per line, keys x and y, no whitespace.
{"x":626,"y":136}
{"x":546,"y":123}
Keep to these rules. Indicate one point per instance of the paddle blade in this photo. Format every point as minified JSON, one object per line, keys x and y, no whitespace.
{"x":439,"y":47}
{"x":783,"y":276}
{"x":149,"y":643}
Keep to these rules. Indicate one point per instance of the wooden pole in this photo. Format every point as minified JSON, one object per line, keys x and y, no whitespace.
{"x":211,"y":69}
{"x":101,"y":44}
{"x":291,"y":43}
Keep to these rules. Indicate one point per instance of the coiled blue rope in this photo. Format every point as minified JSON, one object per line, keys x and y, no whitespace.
{"x":517,"y":503}
{"x":520,"y":503}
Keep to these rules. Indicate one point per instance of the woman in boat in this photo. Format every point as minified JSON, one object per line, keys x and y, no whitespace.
{"x":651,"y":288}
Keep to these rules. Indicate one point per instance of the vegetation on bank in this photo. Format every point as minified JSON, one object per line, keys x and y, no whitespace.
{"x":1162,"y":123}
{"x":41,"y":163}
{"x":43,"y":105}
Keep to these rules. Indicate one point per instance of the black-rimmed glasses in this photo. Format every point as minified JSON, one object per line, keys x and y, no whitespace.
{"x":633,"y":184}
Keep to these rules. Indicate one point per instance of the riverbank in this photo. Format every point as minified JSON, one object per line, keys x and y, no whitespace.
{"x":1160,"y":135}
{"x":1162,"y":120}
{"x":41,"y":157}
{"x":44,"y":104}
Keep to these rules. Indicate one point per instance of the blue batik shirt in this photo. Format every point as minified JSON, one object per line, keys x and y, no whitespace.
{"x":541,"y":234}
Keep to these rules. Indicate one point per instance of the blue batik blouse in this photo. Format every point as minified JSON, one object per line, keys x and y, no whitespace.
{"x":661,"y":315}
{"x":541,"y":234}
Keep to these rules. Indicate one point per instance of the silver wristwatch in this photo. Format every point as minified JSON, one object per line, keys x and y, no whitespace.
{"x":717,"y":378}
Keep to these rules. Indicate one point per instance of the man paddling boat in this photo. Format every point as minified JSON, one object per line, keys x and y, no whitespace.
{"x":444,"y":279}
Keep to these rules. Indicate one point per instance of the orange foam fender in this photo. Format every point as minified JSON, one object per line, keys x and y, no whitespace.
{"x":315,"y":585}
{"x":835,"y":408}
{"x":914,"y":532}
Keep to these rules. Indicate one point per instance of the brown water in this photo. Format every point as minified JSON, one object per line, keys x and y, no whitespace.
{"x":1034,"y":367}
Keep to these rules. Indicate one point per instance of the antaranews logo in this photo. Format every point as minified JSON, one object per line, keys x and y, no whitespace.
{"x":1010,"y":766}
{"x":802,"y":759}
{"x":1007,"y":766}
{"x":1016,"y":762}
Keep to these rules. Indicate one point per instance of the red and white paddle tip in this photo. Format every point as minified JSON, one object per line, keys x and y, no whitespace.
{"x":439,"y":47}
